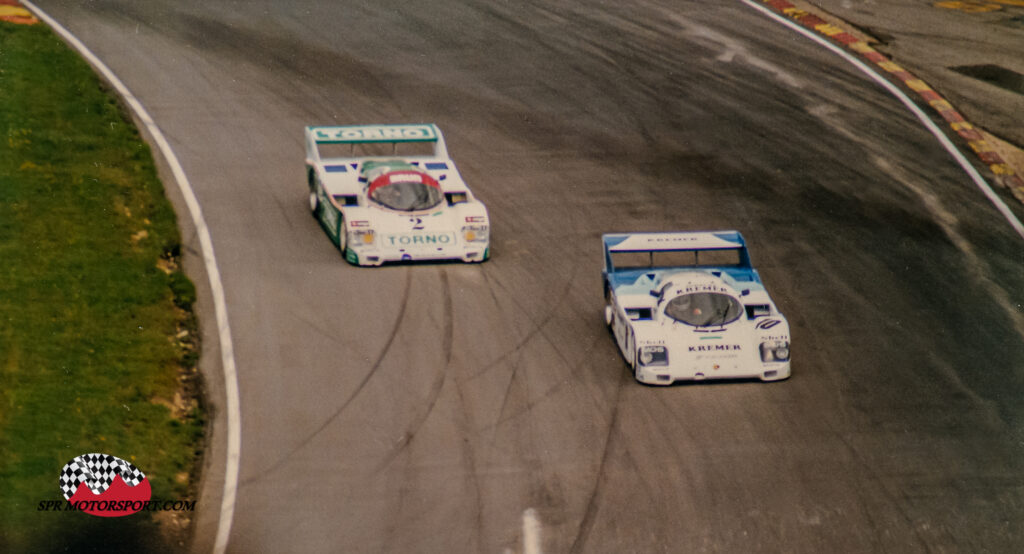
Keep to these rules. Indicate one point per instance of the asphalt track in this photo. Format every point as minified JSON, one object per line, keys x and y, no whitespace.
{"x":425,"y":408}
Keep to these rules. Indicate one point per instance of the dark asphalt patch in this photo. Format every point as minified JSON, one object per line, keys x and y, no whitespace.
{"x":1015,"y":22}
{"x":995,"y":75}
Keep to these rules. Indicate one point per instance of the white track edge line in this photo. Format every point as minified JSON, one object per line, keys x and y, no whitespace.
{"x":227,"y":508}
{"x":923,"y":117}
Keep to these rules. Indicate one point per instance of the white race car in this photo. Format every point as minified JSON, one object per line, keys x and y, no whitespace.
{"x":387,"y":193}
{"x":689,"y":306}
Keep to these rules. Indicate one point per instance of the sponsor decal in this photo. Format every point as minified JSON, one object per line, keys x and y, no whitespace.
{"x":424,"y":239}
{"x":768,"y":323}
{"x":376,"y":133}
{"x":107,"y":486}
{"x":669,"y":239}
{"x":775,"y":337}
{"x":475,"y":219}
{"x":707,"y":287}
{"x":714,"y":347}
{"x":405,"y":177}
{"x":664,"y":241}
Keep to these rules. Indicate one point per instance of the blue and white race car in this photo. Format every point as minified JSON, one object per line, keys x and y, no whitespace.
{"x":689,"y":306}
{"x":389,"y":193}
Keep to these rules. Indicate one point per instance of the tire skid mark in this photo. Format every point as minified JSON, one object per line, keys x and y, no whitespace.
{"x":642,"y":474}
{"x":504,"y":400}
{"x":285,"y":213}
{"x":538,"y":326}
{"x":440,"y":378}
{"x":538,"y":329}
{"x":463,"y":425}
{"x":399,"y":318}
{"x":525,"y":410}
{"x":694,"y":481}
{"x":316,"y":327}
{"x":449,"y":319}
{"x":869,"y":474}
{"x":551,"y":391}
{"x":590,"y":514}
{"x":686,"y":427}
{"x":872,"y":475}
{"x":465,"y":428}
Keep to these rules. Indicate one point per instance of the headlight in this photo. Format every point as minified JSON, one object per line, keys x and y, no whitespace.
{"x":361,"y":237}
{"x":775,"y":351}
{"x":474,"y":233}
{"x":653,"y":355}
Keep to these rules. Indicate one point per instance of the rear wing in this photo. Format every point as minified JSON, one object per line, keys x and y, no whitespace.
{"x":632,"y":251}
{"x":354,"y":135}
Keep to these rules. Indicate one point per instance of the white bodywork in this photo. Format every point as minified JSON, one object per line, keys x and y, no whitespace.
{"x":651,"y":313}
{"x":369,"y":232}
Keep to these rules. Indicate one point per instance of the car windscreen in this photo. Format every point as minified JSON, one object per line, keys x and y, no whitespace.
{"x":407,"y":196}
{"x":703,"y":309}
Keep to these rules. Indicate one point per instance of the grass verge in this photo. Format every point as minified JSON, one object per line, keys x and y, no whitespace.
{"x":96,"y":351}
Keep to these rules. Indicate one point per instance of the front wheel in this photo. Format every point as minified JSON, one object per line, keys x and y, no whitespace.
{"x":314,"y":199}
{"x":342,"y":236}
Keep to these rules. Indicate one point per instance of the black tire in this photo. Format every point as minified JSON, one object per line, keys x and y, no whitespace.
{"x":314,"y":199}
{"x":342,"y":237}
{"x":609,"y":310}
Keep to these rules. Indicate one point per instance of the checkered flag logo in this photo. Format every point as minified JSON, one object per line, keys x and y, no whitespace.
{"x":97,"y":471}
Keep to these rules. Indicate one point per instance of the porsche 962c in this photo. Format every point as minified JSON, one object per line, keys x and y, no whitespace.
{"x":689,"y":306}
{"x":389,"y":193}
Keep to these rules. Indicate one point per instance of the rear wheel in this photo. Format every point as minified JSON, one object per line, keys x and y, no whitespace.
{"x":609,"y":311}
{"x":342,"y":236}
{"x":314,"y":200}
